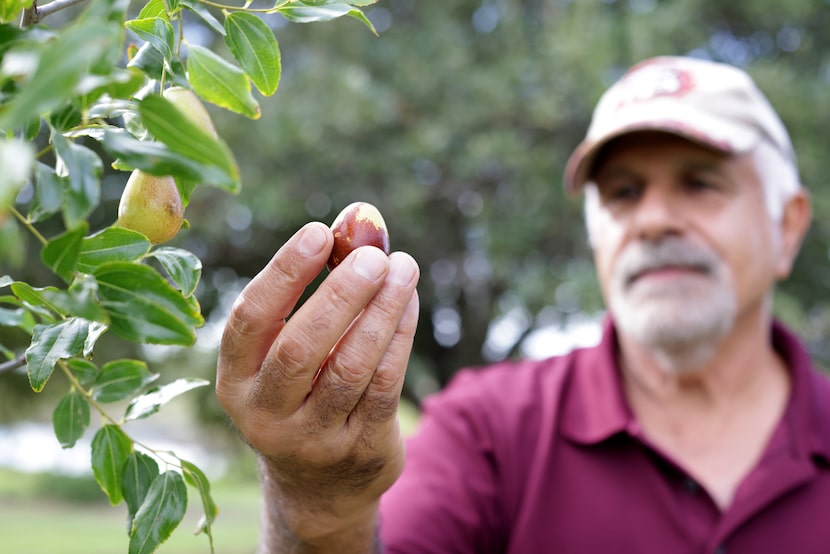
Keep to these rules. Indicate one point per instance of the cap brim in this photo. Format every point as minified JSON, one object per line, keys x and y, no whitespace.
{"x":579,"y":165}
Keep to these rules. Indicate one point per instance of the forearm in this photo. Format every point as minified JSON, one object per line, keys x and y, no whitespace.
{"x":313,"y":526}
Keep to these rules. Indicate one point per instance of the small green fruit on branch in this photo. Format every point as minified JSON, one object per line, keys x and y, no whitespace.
{"x":152,"y":206}
{"x":191,"y":107}
{"x":359,"y":224}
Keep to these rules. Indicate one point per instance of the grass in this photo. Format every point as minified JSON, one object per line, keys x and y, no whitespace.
{"x":49,"y":514}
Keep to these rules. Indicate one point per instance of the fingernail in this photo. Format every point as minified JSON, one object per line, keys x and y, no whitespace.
{"x":401,"y":269}
{"x":369,"y":262}
{"x":312,"y":240}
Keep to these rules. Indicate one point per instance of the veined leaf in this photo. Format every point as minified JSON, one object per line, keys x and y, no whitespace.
{"x":51,"y":343}
{"x":143,"y":307}
{"x":150,"y":402}
{"x":85,"y":371}
{"x":153,"y":8}
{"x":18,"y":317}
{"x":58,"y":71}
{"x":80,"y":299}
{"x":110,"y":449}
{"x":61,"y":253}
{"x":202,"y":11}
{"x":255,"y":47}
{"x":157,"y":159}
{"x":70,"y":418}
{"x":197,"y":479}
{"x":34,"y":300}
{"x":220,"y":82}
{"x":113,"y":244}
{"x":160,"y":513}
{"x":122,"y":379}
{"x":139,"y":472}
{"x":157,"y":31}
{"x":48,"y":192}
{"x":84,"y":169}
{"x":181,"y":135}
{"x":184,"y":268}
{"x":309,"y":14}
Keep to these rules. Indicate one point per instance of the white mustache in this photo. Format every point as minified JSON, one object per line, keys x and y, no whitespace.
{"x":643,"y":256}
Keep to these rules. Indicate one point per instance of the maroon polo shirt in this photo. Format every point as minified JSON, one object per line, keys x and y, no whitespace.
{"x":546,"y":457}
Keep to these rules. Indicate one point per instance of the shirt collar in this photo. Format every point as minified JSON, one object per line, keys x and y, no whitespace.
{"x":808,"y":412}
{"x":595,"y":407}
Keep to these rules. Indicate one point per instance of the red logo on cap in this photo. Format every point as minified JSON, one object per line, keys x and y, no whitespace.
{"x":648,"y":81}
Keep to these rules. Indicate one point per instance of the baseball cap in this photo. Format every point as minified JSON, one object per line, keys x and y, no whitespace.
{"x":711,"y":103}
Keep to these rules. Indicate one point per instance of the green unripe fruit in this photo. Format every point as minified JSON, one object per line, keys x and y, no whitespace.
{"x":152,"y":206}
{"x":191,"y":107}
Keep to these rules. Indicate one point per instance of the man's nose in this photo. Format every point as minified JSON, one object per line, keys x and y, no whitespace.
{"x":658,"y":214}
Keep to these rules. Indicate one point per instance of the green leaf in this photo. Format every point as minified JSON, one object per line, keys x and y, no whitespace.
{"x":220,"y":82}
{"x":61,"y":253}
{"x":70,"y":418}
{"x":113,"y":244}
{"x":143,"y":307}
{"x":19,"y":317}
{"x":96,"y":329}
{"x":153,"y":8}
{"x":84,"y":169}
{"x":80,"y":299}
{"x":203,"y":12}
{"x":197,"y":479}
{"x":58,"y":70}
{"x":51,"y":343}
{"x":155,"y":30}
{"x":48,"y":197}
{"x":305,"y":13}
{"x":139,"y":472}
{"x":172,"y":5}
{"x":157,"y":159}
{"x":10,"y":9}
{"x":16,"y":159}
{"x":152,"y":63}
{"x":255,"y":47}
{"x":33,"y":299}
{"x":169,"y":125}
{"x":85,"y":371}
{"x":121,"y":379}
{"x":160,"y":513}
{"x":184,"y":268}
{"x":118,"y":83}
{"x":110,"y":449}
{"x":150,"y":402}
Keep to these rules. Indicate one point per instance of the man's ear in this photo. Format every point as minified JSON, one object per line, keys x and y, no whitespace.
{"x":795,"y":220}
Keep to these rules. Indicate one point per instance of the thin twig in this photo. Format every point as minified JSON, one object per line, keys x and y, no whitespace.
{"x":50,"y":8}
{"x":10,"y":365}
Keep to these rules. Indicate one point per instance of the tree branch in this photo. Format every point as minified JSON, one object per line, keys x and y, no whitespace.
{"x":34,"y":13}
{"x":10,"y":365}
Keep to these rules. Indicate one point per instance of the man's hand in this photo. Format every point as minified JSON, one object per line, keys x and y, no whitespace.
{"x":316,"y":394}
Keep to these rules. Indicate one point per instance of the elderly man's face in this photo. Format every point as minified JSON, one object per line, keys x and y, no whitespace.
{"x":683,"y":243}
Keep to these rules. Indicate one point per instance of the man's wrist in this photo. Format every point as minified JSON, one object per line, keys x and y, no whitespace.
{"x":309,"y":523}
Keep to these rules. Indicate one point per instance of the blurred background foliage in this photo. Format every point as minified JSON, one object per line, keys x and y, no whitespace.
{"x":456,"y":122}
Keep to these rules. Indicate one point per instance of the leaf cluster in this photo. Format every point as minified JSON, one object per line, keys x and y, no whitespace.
{"x":83,"y":101}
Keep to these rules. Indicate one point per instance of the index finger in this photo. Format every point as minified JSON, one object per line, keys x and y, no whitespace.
{"x":261,"y":309}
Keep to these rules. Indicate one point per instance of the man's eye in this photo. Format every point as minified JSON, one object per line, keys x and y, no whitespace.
{"x":624,"y":192}
{"x":697,"y":183}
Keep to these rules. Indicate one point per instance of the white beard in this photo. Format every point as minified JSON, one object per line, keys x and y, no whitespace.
{"x":681,"y":321}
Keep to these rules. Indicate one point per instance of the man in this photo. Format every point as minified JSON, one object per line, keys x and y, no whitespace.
{"x":697,"y":425}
